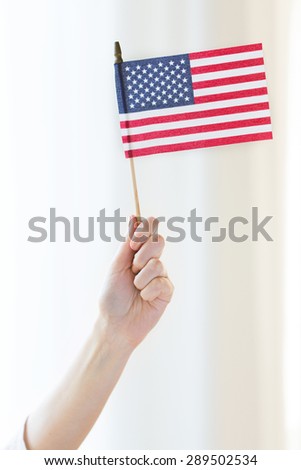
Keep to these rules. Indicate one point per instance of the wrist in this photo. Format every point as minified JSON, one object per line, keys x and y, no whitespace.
{"x":110,"y":341}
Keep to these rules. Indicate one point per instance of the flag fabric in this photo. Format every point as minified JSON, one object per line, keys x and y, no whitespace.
{"x":193,"y":101}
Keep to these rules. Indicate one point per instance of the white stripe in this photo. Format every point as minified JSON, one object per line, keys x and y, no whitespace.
{"x":196,"y":122}
{"x":226,"y":58}
{"x":198,"y":137}
{"x":228,"y":73}
{"x":193,"y":108}
{"x":228,"y":88}
{"x":236,"y":102}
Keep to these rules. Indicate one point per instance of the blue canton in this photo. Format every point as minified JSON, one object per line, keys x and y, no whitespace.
{"x":163,"y":82}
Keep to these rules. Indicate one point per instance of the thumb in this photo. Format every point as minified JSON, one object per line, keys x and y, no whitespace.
{"x":125,"y":255}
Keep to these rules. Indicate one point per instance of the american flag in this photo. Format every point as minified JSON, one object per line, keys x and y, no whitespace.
{"x":193,"y":101}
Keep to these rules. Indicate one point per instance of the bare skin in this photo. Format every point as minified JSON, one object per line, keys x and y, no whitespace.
{"x":136,"y":293}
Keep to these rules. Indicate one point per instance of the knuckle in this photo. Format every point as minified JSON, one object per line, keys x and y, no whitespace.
{"x":144,"y":295}
{"x":137,"y":263}
{"x":161,"y":240}
{"x":155,"y":264}
{"x":137,"y":282}
{"x":168,"y":287}
{"x":158,"y":240}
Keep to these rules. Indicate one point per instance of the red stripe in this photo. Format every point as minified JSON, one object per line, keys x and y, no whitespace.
{"x":231,"y":95}
{"x":229,"y":81}
{"x":194,"y":115}
{"x":196,"y":129}
{"x":238,"y":64}
{"x":199,"y":144}
{"x":225,"y":51}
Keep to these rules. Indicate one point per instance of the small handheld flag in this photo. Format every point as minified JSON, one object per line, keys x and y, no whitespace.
{"x":192,"y":101}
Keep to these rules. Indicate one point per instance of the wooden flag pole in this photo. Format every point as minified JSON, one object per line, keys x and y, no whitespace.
{"x":119,"y":60}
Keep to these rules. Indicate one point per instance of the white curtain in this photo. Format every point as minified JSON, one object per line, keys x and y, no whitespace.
{"x":222,"y":369}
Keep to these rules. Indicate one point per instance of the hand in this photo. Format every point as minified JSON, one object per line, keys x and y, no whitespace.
{"x":137,"y":289}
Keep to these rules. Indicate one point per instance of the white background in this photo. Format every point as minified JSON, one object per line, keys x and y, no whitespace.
{"x":222,"y":370}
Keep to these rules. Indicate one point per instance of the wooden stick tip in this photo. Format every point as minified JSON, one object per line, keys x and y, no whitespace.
{"x":117,"y":53}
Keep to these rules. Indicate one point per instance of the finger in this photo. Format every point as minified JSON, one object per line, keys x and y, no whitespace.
{"x":151,"y":249}
{"x":145,"y":229}
{"x":124,"y":256}
{"x":133,"y":224}
{"x":159,"y":288}
{"x":154,"y":268}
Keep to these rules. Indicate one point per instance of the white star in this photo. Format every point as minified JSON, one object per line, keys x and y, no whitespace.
{"x":135,"y":91}
{"x":162,"y":83}
{"x":132,"y":105}
{"x":142,"y":104}
{"x":154,"y":103}
{"x":127,"y":68}
{"x":158,"y":97}
{"x":147,"y":98}
{"x":131,"y":96}
{"x":172,"y":72}
{"x":163,"y":92}
{"x":155,"y":69}
{"x":177,"y":66}
{"x":166,"y":68}
{"x":186,"y":98}
{"x":173,"y":82}
{"x":160,"y":64}
{"x":181,"y":95}
{"x":151,"y":84}
{"x":158,"y":88}
{"x":176,"y":100}
{"x":128,"y":77}
{"x":150,"y":75}
{"x":137,"y":100}
{"x":147,"y":90}
{"x":130,"y":87}
{"x":138,"y":67}
{"x":175,"y":90}
{"x":178,"y":76}
{"x":153,"y":93}
{"x":182,"y":61}
{"x":149,"y":66}
{"x":145,"y":80}
{"x":139,"y":76}
{"x":183,"y":70}
{"x":171,"y":62}
{"x":164,"y":101}
{"x":156,"y":79}
{"x":180,"y":85}
{"x":169,"y":96}
{"x":186,"y":89}
{"x":184,"y":80}
{"x":161,"y":74}
{"x":134,"y":81}
{"x":133,"y":72}
{"x":168,"y":77}
{"x":144,"y":71}
{"x":168,"y":87}
{"x":141,"y":95}
{"x":140,"y":85}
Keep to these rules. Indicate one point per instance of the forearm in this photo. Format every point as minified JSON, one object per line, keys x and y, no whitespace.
{"x":64,"y":420}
